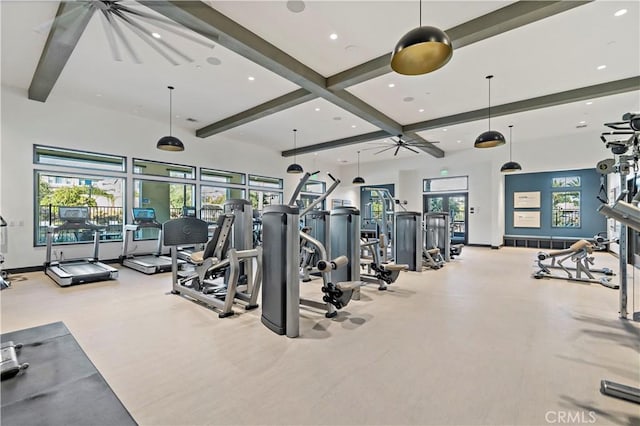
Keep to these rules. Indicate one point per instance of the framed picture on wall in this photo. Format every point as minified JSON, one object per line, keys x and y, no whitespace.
{"x":526,"y":200}
{"x":526,"y":219}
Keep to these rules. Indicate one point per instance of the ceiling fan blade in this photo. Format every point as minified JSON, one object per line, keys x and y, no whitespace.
{"x":63,"y":19}
{"x":161,"y":23}
{"x":123,"y":39}
{"x":397,"y":149}
{"x":108,"y":30}
{"x":147,"y":38}
{"x":386,"y":149}
{"x":411,"y":149}
{"x":377,"y":147}
{"x":152,"y":39}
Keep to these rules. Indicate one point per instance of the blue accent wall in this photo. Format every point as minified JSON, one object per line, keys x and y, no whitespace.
{"x":592,"y":222}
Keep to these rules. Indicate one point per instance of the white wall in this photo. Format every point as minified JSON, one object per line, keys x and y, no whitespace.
{"x":68,"y":124}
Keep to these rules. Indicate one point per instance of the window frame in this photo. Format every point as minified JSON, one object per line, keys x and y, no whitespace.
{"x":579,"y":210}
{"x":134,"y":172}
{"x":426,"y":181}
{"x":37,"y":162}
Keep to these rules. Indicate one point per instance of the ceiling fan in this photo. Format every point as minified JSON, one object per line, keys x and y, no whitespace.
{"x":408,"y":144}
{"x":117,"y":17}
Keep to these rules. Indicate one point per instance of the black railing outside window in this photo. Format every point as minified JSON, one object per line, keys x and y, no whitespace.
{"x":108,"y":218}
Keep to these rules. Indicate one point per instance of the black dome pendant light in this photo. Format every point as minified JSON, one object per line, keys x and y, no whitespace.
{"x":170,"y":143}
{"x":358,"y":180}
{"x":421,"y":50}
{"x":294,"y":168}
{"x":510,"y":166}
{"x":490,"y":138}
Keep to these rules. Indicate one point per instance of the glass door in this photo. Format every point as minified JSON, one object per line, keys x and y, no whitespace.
{"x":456,"y":205}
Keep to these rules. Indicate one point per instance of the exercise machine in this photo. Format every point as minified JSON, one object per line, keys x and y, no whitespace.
{"x":281,"y":299}
{"x":217,"y":280}
{"x":316,"y":224}
{"x":4,"y":281}
{"x":76,"y":271}
{"x":385,"y":224}
{"x":580,"y":254}
{"x":151,"y":263}
{"x":346,"y":241}
{"x":438,"y":232}
{"x":10,"y":366}
{"x":624,"y":136}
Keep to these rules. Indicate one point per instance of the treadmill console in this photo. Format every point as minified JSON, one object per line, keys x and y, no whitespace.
{"x":74,"y":214}
{"x":188,"y":211}
{"x":144,"y":215}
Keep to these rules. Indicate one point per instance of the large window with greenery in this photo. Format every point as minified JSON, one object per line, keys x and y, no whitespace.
{"x":71,"y":185}
{"x":103,"y":195}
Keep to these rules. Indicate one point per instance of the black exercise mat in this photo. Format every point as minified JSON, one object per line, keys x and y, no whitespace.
{"x":60,"y":387}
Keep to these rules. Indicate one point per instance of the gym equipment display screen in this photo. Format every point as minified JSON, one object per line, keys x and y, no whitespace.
{"x":144,"y":214}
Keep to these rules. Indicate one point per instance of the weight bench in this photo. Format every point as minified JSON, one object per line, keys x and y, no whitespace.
{"x":579,"y":253}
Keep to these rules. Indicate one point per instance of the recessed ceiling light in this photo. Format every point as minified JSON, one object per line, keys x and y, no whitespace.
{"x":317,"y":109}
{"x":198,"y":66}
{"x":582,"y":122}
{"x":156,"y":35}
{"x":353,"y":126}
{"x":391,"y":85}
{"x":251,"y":78}
{"x":421,"y":110}
{"x":601,"y":67}
{"x":444,"y":130}
{"x":620,"y":12}
{"x":177,"y":116}
{"x":333,"y":36}
{"x":99,"y":95}
{"x":458,"y":141}
{"x":589,"y":103}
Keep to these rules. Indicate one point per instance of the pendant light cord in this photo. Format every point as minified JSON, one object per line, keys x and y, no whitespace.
{"x":358,"y":163}
{"x":170,"y":109}
{"x":510,"y":142}
{"x":294,"y":145}
{"x":420,"y":18}
{"x":489,"y":78}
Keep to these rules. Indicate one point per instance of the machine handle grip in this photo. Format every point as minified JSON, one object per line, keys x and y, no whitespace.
{"x":326,"y":266}
{"x":332,"y":178}
{"x":2,"y":221}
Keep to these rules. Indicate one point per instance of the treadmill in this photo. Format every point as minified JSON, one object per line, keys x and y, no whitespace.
{"x":77,"y":271}
{"x":152,"y":263}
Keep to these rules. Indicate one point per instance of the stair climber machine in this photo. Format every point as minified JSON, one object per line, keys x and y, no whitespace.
{"x":281,"y":265}
{"x":151,"y":263}
{"x":222,"y":275}
{"x":76,"y":271}
{"x":345,"y":241}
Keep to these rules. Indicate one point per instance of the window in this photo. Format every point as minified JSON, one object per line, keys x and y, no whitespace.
{"x":449,"y":184}
{"x":311,"y":191}
{"x":565,"y":182}
{"x":155,"y":168}
{"x":213,"y":197}
{"x":265,"y":182}
{"x":222,"y":177}
{"x":565,"y":209}
{"x":260,"y":199}
{"x":78,"y":159}
{"x":104,"y":196}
